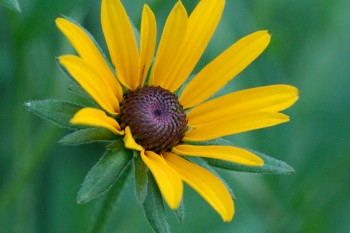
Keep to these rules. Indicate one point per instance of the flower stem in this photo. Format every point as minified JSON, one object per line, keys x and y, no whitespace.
{"x":109,"y":203}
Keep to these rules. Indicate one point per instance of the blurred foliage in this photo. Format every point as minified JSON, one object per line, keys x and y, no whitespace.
{"x":309,"y":49}
{"x":11,"y":4}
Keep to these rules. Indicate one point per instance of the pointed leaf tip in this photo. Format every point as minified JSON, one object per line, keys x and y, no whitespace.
{"x":180,"y":212}
{"x":11,"y":4}
{"x":271,"y":165}
{"x":57,"y":111}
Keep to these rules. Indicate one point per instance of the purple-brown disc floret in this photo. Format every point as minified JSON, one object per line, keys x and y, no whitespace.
{"x":156,"y":118}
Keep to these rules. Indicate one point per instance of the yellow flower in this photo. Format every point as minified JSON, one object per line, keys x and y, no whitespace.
{"x":145,"y":107}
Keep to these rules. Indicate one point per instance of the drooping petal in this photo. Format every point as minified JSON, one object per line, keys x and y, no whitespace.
{"x":205,"y":183}
{"x":168,"y":181}
{"x":200,"y":28}
{"x":97,"y":118}
{"x":130,"y":141}
{"x":272,"y":98}
{"x":121,"y":43}
{"x":228,"y":153}
{"x":234,"y":125}
{"x":172,"y":37}
{"x":147,"y":41}
{"x":224,"y":68}
{"x":87,"y":49}
{"x":92,"y":82}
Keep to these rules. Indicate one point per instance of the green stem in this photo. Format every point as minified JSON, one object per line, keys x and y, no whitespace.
{"x":109,"y":203}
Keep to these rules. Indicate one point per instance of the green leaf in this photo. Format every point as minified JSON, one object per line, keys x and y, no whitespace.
{"x":154,"y":208}
{"x":140,"y":169}
{"x":80,"y":92}
{"x":180,"y":212}
{"x":116,"y":145}
{"x":11,"y":4}
{"x":271,"y":165}
{"x":56,"y":111}
{"x":88,"y":135}
{"x":110,"y":203}
{"x":104,"y":174}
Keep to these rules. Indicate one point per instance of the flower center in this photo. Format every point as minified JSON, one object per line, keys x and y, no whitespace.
{"x":155,"y":117}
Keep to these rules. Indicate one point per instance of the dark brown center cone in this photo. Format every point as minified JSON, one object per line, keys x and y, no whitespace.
{"x":156,"y":118}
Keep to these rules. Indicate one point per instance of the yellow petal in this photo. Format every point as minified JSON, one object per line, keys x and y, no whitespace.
{"x":228,"y":153}
{"x":224,"y":68}
{"x":168,"y":181}
{"x":200,"y":28}
{"x":97,"y":118}
{"x":87,"y":49}
{"x":121,"y":43}
{"x":233,"y":125}
{"x":130,"y":141}
{"x":172,"y":37}
{"x":272,"y":98}
{"x":147,"y":41}
{"x":205,"y":183}
{"x":92,"y":82}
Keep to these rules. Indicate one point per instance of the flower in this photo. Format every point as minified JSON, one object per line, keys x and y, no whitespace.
{"x":144,"y":104}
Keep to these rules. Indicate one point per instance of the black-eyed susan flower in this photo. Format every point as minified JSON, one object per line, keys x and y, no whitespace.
{"x":138,"y":97}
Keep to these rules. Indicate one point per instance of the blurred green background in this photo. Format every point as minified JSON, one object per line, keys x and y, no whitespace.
{"x":310,"y":48}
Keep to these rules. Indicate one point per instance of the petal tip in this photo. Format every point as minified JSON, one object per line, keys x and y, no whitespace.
{"x":130,"y":141}
{"x":259,"y":162}
{"x":58,"y":21}
{"x":174,"y":204}
{"x":228,"y":216}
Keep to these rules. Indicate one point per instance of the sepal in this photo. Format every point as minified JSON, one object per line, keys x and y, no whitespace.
{"x":56,"y":111}
{"x":116,"y":145}
{"x":271,"y":165}
{"x":88,"y":135}
{"x":76,"y":89}
{"x":141,"y":179}
{"x":180,"y":212}
{"x":104,"y":174}
{"x":154,"y":207}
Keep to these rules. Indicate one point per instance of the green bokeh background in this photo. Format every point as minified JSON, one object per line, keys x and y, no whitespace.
{"x":310,"y":49}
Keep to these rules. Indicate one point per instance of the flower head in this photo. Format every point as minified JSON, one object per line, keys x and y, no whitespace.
{"x":145,"y":106}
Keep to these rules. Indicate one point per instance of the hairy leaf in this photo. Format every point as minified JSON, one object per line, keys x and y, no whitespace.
{"x":271,"y":165}
{"x":180,"y":212}
{"x":57,"y":111}
{"x":88,"y":135}
{"x":141,"y":180}
{"x":80,"y":92}
{"x":154,"y":208}
{"x":104,"y":174}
